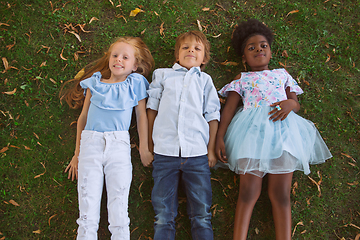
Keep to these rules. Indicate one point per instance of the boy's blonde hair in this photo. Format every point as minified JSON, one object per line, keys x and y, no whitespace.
{"x":200,"y":37}
{"x":74,"y":96}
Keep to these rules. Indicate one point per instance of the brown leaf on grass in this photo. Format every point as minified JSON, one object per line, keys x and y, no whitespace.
{"x":5,"y":24}
{"x":14,"y":203}
{"x":10,"y":46}
{"x":283,"y":65}
{"x":328,"y":58}
{"x":93,"y":19}
{"x":135,"y":12}
{"x":11,"y":92}
{"x":217,"y":36}
{"x":140,"y":189}
{"x":76,"y":35}
{"x":220,"y":6}
{"x":337,"y":69}
{"x":80,"y":74}
{"x":205,"y":9}
{"x":53,"y":81}
{"x":5,"y":62}
{"x":299,"y":223}
{"x":162,"y":29}
{"x":26,"y":148}
{"x":42,"y":47}
{"x":61,"y":55}
{"x":36,"y":135}
{"x":348,"y":156}
{"x":143,"y":31}
{"x":285,"y":54}
{"x":306,"y":82}
{"x":291,"y":12}
{"x":4,"y":149}
{"x":14,"y":146}
{"x":221,"y":185}
{"x":37,"y":231}
{"x":73,"y":122}
{"x":317,"y":185}
{"x":51,"y":218}
{"x":111,"y":2}
{"x":227,"y":63}
{"x":199,"y":25}
{"x":43,"y":64}
{"x":82,"y":27}
{"x":43,"y":172}
{"x":357,"y":237}
{"x":295,"y":186}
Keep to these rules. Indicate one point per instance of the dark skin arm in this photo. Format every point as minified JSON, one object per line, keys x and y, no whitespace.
{"x":227,"y":114}
{"x":288,"y":105}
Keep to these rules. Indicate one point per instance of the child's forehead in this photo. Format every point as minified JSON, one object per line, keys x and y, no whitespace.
{"x":191,"y":40}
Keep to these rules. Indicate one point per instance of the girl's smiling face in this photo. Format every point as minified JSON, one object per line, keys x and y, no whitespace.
{"x":257,"y":53}
{"x":122,"y":61}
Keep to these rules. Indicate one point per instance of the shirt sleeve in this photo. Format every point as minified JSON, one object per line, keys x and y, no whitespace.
{"x":155,"y":90}
{"x":294,"y":87}
{"x":211,"y":108}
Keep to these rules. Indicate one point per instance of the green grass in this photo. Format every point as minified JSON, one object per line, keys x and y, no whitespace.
{"x":40,"y":139}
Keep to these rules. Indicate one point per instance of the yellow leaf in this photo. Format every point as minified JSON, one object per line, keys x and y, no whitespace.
{"x":135,"y":12}
{"x":11,"y":92}
{"x":5,"y":62}
{"x":14,"y":203}
{"x":162,"y":29}
{"x":79,"y":74}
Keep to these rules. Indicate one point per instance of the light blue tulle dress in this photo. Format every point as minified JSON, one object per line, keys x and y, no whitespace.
{"x":257,"y":145}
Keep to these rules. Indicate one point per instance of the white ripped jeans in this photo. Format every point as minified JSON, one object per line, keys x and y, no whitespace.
{"x":104,"y":154}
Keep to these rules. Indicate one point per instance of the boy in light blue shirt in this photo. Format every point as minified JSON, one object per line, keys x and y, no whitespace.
{"x":183,"y":113}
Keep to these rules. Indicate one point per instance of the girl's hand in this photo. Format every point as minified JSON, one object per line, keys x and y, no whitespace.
{"x":73,"y":168}
{"x":282,"y":109}
{"x":146,"y":158}
{"x":220,"y":149}
{"x":212,"y":158}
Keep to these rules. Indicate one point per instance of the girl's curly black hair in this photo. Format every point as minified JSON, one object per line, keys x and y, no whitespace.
{"x":247,"y":29}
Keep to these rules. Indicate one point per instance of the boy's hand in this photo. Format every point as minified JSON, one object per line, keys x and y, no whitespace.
{"x":146,"y":158}
{"x":73,"y":168}
{"x":212,"y":159}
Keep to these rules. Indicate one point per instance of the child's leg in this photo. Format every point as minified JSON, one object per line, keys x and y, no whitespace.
{"x":279,"y":188}
{"x":249,"y":192}
{"x":197,"y":183}
{"x":118,"y":176}
{"x":90,"y":185}
{"x":164,"y":197}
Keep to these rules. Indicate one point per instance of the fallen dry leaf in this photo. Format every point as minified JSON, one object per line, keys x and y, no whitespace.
{"x":80,"y":74}
{"x":37,"y":231}
{"x":5,"y":24}
{"x":317,"y":184}
{"x":61,"y":55}
{"x":14,"y":203}
{"x":111,"y":2}
{"x":76,"y":35}
{"x":357,"y":237}
{"x":43,"y":172}
{"x":4,"y":149}
{"x":199,"y":25}
{"x":93,"y":19}
{"x":51,"y":218}
{"x":291,"y":12}
{"x":217,"y":36}
{"x":162,"y":29}
{"x":205,"y":9}
{"x":143,"y":31}
{"x":226,"y":63}
{"x":135,"y":12}
{"x":348,"y":156}
{"x":328,"y":58}
{"x":299,"y":223}
{"x":11,"y":92}
{"x":285,"y":54}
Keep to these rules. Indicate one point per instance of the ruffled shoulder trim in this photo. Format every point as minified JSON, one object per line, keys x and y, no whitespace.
{"x":232,"y":86}
{"x":116,"y":96}
{"x":290,"y":82}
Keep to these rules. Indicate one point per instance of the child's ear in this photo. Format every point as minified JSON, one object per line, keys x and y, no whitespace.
{"x":135,"y":67}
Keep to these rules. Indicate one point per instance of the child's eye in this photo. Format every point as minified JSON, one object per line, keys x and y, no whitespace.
{"x":126,"y":57}
{"x":198,"y":49}
{"x":185,"y":47}
{"x":251,"y":48}
{"x":264,"y":46}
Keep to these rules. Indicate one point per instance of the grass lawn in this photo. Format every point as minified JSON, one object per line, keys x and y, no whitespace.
{"x":44,"y":43}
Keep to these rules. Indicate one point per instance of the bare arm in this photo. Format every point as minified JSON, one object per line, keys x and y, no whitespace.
{"x":151,"y":118}
{"x":213,"y":127}
{"x":73,"y":165}
{"x":286,"y":106}
{"x":226,"y":116}
{"x":142,"y":127}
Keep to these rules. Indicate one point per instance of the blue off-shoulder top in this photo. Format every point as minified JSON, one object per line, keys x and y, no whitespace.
{"x":112,"y":103}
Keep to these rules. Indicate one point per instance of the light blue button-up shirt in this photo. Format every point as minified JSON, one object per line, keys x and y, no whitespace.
{"x":186,"y":100}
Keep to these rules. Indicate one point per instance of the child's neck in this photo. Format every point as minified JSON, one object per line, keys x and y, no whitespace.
{"x":114,"y":79}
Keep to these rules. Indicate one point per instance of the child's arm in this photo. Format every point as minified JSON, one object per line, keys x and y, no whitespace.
{"x":142,"y":127}
{"x":227,"y":114}
{"x":73,"y":165}
{"x":213,"y":127}
{"x":151,"y":118}
{"x":286,"y":106}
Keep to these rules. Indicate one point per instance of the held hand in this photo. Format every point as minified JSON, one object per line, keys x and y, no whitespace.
{"x":282,"y":109}
{"x":73,"y":168}
{"x":212,"y":159}
{"x":220,"y":150}
{"x":146,"y":158}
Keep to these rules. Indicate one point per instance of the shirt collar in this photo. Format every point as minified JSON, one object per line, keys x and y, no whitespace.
{"x":178,"y":67}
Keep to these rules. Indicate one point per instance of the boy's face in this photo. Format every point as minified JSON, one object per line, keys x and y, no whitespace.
{"x":191,"y":53}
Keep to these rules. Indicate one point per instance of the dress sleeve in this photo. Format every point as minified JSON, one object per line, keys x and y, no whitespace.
{"x":290,"y":82}
{"x":233,"y":86}
{"x":90,"y":82}
{"x":139,"y":86}
{"x":155,"y":90}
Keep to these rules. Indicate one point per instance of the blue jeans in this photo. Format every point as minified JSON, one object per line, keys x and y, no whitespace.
{"x":194,"y":173}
